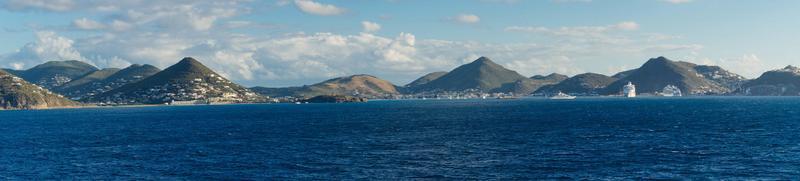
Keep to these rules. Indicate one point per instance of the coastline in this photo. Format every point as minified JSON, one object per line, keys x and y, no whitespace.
{"x":91,"y":106}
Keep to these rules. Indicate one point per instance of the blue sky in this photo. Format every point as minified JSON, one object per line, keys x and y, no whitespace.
{"x":296,"y":42}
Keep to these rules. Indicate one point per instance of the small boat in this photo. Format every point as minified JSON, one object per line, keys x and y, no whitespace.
{"x":561,"y":95}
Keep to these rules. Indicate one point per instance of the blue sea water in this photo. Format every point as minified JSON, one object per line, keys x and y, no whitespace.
{"x":587,"y":138}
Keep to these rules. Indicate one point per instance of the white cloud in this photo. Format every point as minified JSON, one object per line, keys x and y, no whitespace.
{"x":162,"y":32}
{"x":673,"y":47}
{"x":500,"y":1}
{"x":577,"y":30}
{"x":618,"y":33}
{"x":311,"y":7}
{"x":175,"y":15}
{"x":87,"y":24}
{"x":677,"y":1}
{"x":47,"y":47}
{"x":571,"y":1}
{"x":628,"y":26}
{"x":47,"y":5}
{"x":748,"y":65}
{"x":466,"y":18}
{"x":370,"y":26}
{"x":308,"y":58}
{"x":119,"y":25}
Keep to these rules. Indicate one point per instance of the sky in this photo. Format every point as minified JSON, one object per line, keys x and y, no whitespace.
{"x":296,"y":42}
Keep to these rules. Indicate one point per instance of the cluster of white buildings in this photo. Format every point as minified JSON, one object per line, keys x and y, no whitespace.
{"x":54,"y":81}
{"x":18,"y":83}
{"x":15,"y":81}
{"x":102,"y":86}
{"x":209,"y":89}
{"x":465,"y":94}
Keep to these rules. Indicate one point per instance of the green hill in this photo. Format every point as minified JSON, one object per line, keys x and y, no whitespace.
{"x":356,"y":85}
{"x":426,"y":79}
{"x":106,"y":80}
{"x":188,"y":80}
{"x":56,"y":73}
{"x":89,"y":78}
{"x":553,"y":77}
{"x":16,"y":93}
{"x":528,"y":86}
{"x":482,"y":74}
{"x":581,"y":84}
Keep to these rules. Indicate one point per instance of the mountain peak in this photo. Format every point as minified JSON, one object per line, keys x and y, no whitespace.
{"x":482,"y":74}
{"x":483,"y":60}
{"x":66,"y":63}
{"x":143,"y":67}
{"x":190,"y":65}
{"x":350,"y":78}
{"x":658,"y":60}
{"x":362,"y":75}
{"x":665,"y":63}
{"x":189,"y":60}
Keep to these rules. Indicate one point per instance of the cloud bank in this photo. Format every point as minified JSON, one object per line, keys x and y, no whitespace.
{"x":162,"y":32}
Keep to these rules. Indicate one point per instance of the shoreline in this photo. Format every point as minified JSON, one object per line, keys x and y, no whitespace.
{"x":382,"y":100}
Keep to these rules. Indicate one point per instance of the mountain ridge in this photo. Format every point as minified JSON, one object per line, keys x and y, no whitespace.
{"x":581,"y":84}
{"x":779,"y":82}
{"x":107,"y":82}
{"x":659,"y":72}
{"x":52,"y":74}
{"x":362,"y":85}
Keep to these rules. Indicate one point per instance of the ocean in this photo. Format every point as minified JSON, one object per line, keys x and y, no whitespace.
{"x":524,"y":139}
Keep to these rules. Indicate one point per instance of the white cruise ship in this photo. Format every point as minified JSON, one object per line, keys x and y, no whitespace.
{"x":629,"y":90}
{"x":671,"y":91}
